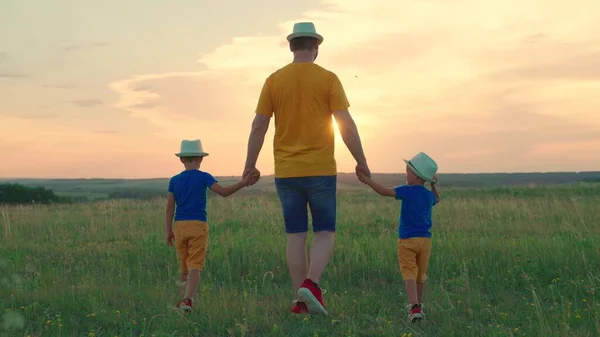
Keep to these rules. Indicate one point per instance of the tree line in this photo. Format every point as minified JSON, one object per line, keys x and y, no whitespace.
{"x":17,"y":194}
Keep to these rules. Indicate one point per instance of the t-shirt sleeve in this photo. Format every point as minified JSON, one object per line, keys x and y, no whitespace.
{"x":209,"y":179}
{"x":171,"y":186}
{"x":265,"y":104}
{"x":402,"y":192}
{"x":337,"y":95}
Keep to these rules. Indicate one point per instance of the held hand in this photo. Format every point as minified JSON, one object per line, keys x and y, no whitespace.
{"x":251,"y":178}
{"x":363,"y":169}
{"x":170,"y":237}
{"x":251,"y":175}
{"x":363,"y":178}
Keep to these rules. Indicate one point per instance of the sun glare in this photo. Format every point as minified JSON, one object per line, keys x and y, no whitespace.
{"x":336,"y":130}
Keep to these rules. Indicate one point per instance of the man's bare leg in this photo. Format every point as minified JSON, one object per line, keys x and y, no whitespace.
{"x":320,"y":254}
{"x":297,"y":258}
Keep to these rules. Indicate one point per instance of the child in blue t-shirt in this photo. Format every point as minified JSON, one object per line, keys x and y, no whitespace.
{"x":414,"y":228}
{"x":186,"y":204}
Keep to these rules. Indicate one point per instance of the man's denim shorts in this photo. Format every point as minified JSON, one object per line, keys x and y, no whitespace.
{"x":318,"y":192}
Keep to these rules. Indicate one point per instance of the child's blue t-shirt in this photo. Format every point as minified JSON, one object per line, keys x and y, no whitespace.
{"x":189,"y":188}
{"x":415,"y":213}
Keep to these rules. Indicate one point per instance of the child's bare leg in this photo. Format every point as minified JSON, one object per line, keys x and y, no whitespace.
{"x":181,"y":285}
{"x":193,"y":278}
{"x":411,"y":291}
{"x":420,"y":289}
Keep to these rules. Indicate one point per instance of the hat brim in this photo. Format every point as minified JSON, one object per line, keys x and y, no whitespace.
{"x":191,"y":154}
{"x":419,"y":174}
{"x":313,"y":35}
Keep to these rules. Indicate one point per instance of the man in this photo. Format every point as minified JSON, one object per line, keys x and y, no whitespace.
{"x":303,"y":97}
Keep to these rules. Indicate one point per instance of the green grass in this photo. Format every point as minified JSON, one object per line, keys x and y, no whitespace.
{"x":506,"y":262}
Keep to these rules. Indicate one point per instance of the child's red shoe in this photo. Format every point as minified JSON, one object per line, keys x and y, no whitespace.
{"x":416,"y":314}
{"x":185,"y":305}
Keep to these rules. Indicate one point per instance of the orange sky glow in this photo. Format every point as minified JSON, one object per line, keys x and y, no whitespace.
{"x":479,"y":85}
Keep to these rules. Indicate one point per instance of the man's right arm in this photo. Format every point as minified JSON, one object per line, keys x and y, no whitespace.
{"x":350,"y":135}
{"x":338,"y":103}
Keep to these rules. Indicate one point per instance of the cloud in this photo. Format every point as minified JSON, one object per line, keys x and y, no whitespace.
{"x":30,"y":116}
{"x":473,"y":82}
{"x":84,"y":45}
{"x":106,"y":132}
{"x":51,"y":134}
{"x":189,"y":104}
{"x":11,"y":74}
{"x":87,"y":103}
{"x":147,"y":105}
{"x":567,"y":150}
{"x":60,"y":86}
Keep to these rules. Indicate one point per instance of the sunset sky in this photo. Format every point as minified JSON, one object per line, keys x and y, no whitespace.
{"x":110,"y":88}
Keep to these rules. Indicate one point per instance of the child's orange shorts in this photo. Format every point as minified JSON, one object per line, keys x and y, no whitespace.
{"x":191,"y":242}
{"x":413,"y":256}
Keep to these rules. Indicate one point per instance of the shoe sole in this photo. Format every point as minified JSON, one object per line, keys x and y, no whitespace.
{"x":416,"y":318}
{"x":185,"y":308}
{"x":314,"y":307}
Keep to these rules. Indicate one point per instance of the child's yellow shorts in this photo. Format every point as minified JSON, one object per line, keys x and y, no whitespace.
{"x":191,"y":241}
{"x":413,"y":256}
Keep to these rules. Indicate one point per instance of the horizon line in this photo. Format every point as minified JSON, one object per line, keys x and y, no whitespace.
{"x":272,"y":175}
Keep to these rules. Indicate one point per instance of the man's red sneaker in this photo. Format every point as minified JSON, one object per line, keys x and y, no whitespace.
{"x":299,"y":308}
{"x":311,"y":294}
{"x":185,"y":305}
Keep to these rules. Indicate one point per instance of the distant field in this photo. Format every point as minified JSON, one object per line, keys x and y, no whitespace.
{"x":123,"y":188}
{"x":509,"y":261}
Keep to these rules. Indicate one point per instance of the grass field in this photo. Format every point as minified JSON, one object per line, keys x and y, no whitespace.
{"x":506,"y":262}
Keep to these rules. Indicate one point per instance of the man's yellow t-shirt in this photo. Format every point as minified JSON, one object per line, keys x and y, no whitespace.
{"x":302,"y":96}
